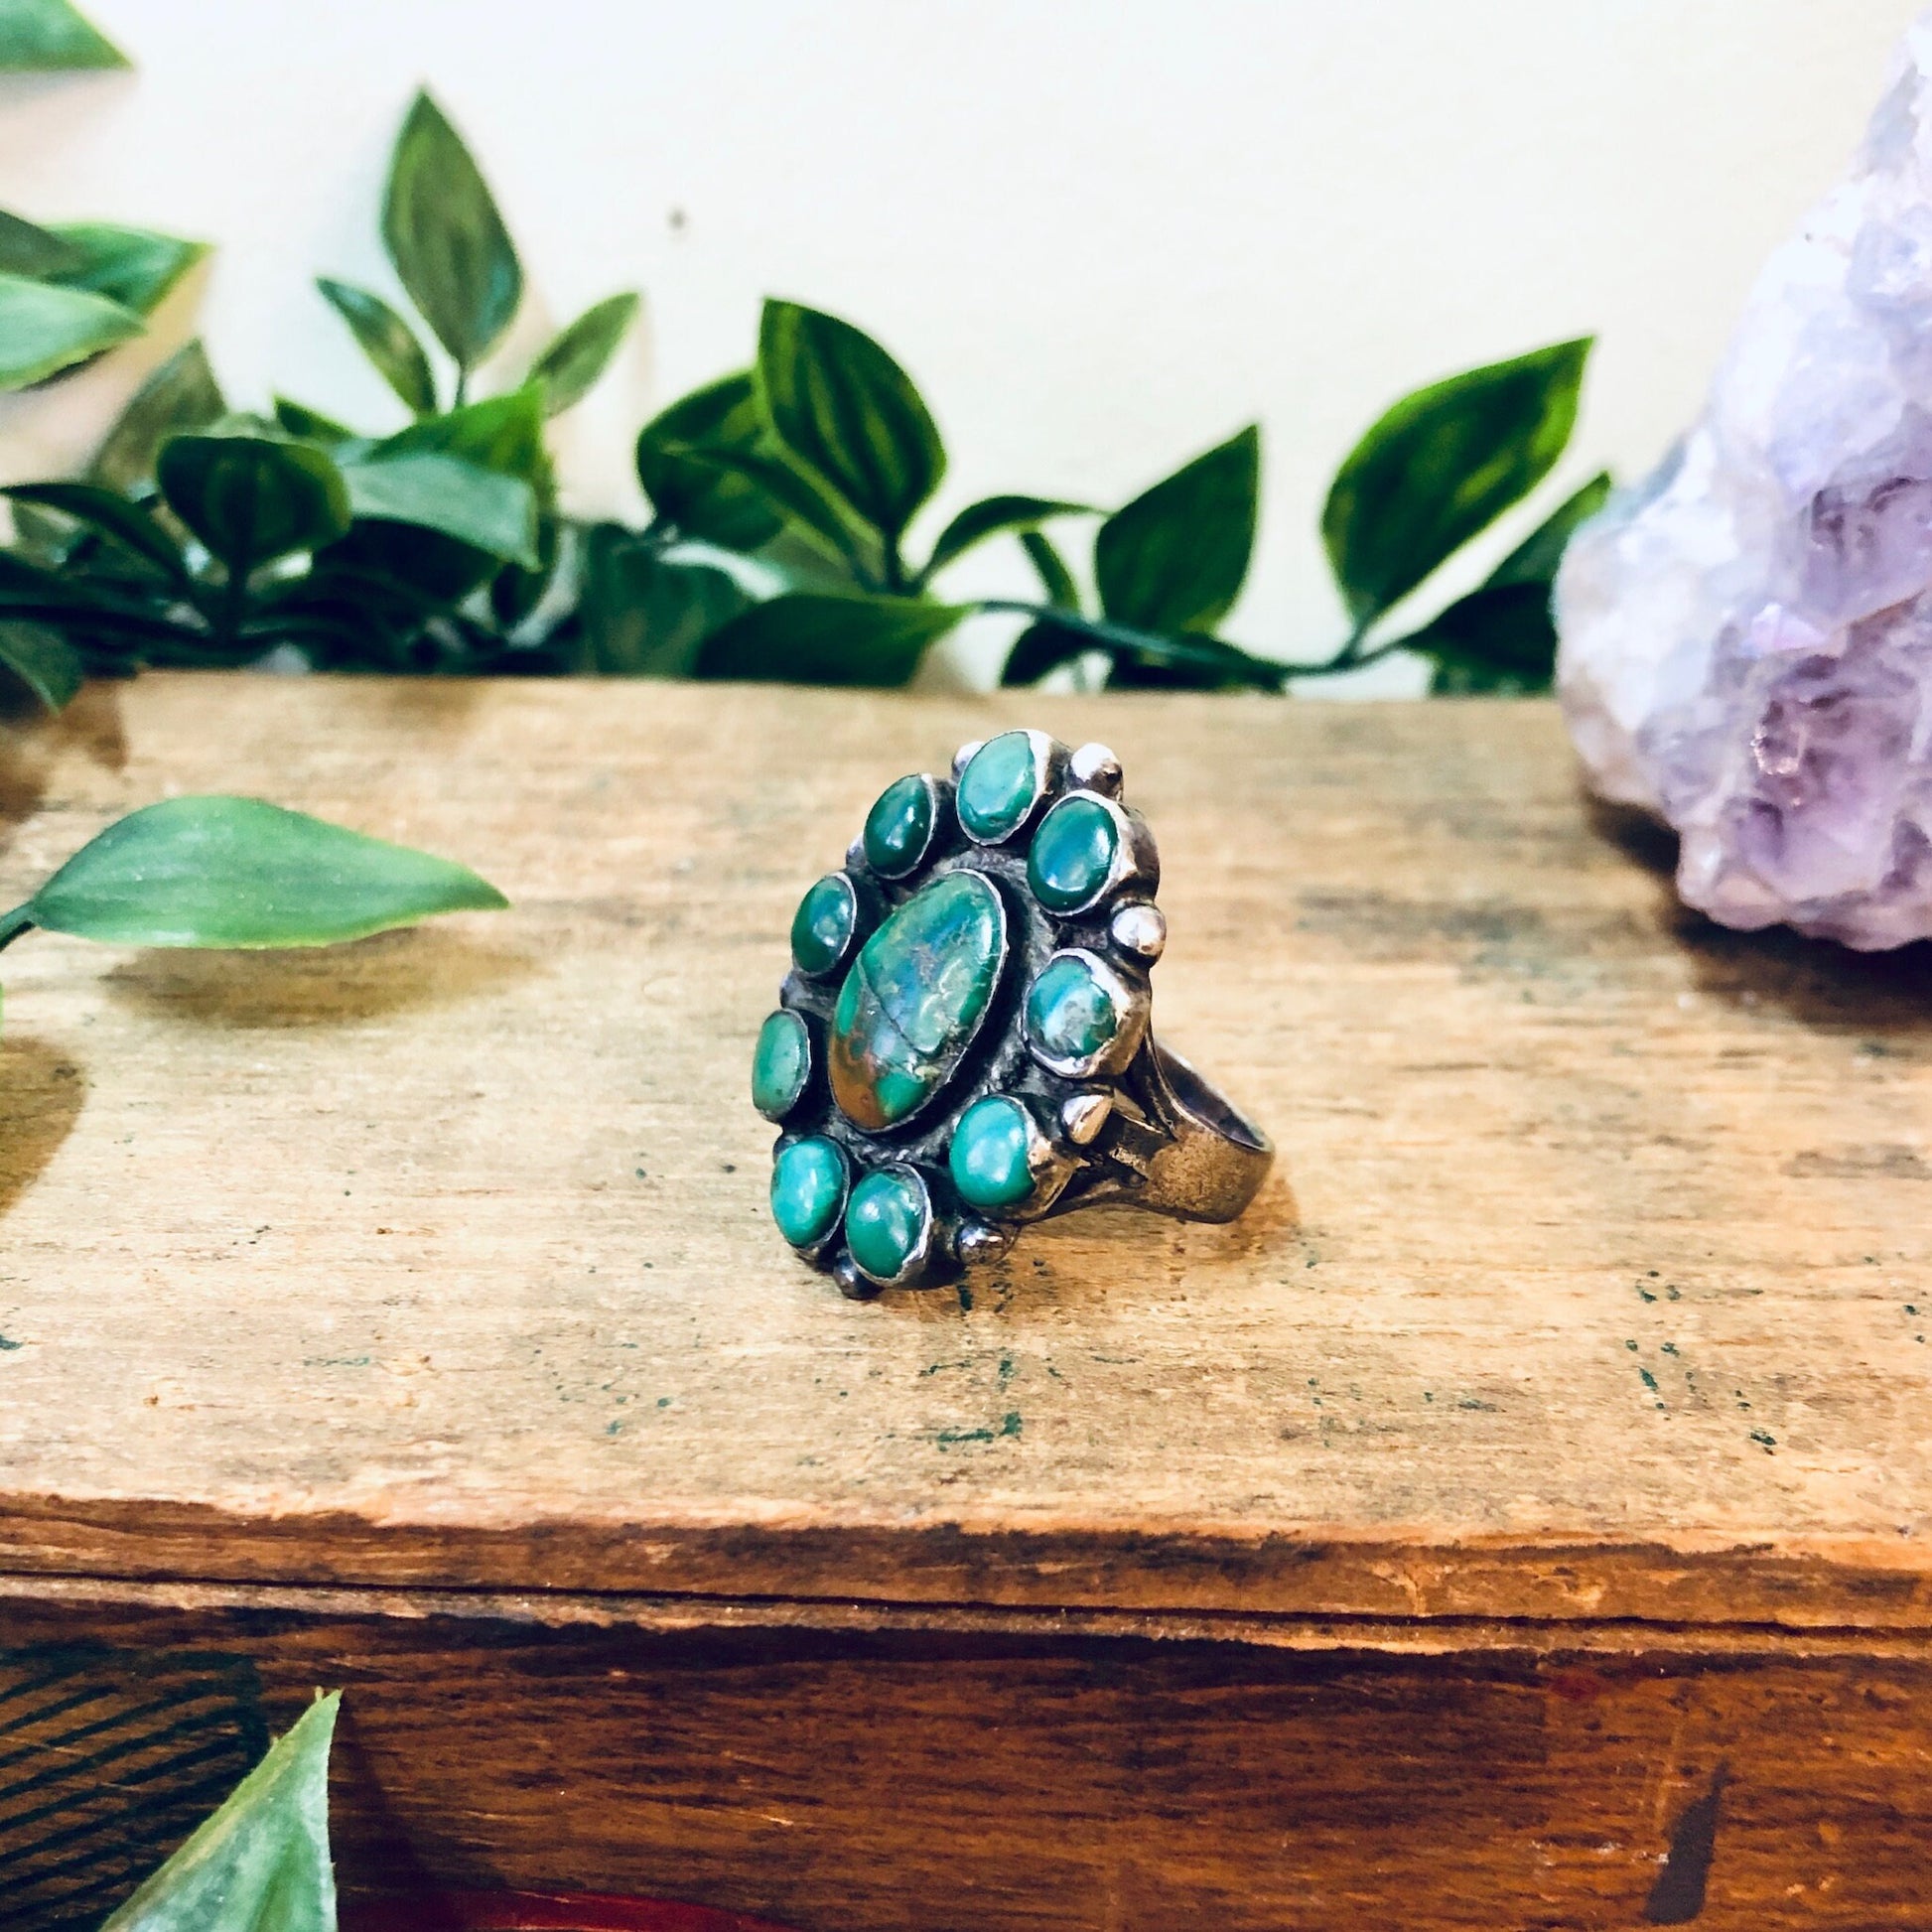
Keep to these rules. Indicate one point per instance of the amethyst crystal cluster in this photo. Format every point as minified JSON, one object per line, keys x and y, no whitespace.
{"x":1747,"y":635}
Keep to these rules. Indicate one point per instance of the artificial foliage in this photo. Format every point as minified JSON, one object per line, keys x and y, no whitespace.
{"x":791,"y":537}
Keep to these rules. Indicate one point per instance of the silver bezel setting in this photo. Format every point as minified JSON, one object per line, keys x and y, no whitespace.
{"x":914,"y":1263}
{"x":1044,"y":760}
{"x":855,"y":934}
{"x":816,"y":1251}
{"x":811,"y":1062}
{"x":1128,"y":867}
{"x":934,"y":805}
{"x":1130,"y":1009}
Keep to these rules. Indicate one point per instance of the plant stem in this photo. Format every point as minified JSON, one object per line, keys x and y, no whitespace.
{"x":462,"y":385}
{"x":15,"y":924}
{"x":1174,"y":651}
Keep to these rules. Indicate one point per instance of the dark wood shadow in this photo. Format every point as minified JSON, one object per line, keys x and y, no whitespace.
{"x":318,"y":986}
{"x":42,"y":1092}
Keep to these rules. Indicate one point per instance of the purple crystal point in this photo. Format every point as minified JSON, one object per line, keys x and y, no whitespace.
{"x":1748,"y":634}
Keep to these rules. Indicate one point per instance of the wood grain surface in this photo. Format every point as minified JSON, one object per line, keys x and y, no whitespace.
{"x":1592,"y":1284}
{"x":902,"y":1781}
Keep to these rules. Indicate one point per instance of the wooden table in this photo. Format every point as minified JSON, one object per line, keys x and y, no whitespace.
{"x":1538,"y":1479}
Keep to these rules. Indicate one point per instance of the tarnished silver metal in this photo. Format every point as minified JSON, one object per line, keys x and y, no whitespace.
{"x":1053,"y":1094}
{"x":1172,"y":1144}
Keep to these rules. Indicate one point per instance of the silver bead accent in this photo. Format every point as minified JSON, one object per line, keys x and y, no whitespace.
{"x":855,"y":853}
{"x":981,"y":1241}
{"x":962,"y":757}
{"x":1083,"y":1116}
{"x":1096,"y":767}
{"x":1141,"y":927}
{"x":853,"y":1284}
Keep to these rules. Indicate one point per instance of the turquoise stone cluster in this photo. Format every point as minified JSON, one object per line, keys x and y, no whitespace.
{"x":962,"y":990}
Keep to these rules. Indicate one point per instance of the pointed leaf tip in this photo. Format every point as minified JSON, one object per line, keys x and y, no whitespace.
{"x":1175,"y":558}
{"x":1442,"y":465}
{"x":261,"y":1862}
{"x":446,"y":238}
{"x":227,"y":873}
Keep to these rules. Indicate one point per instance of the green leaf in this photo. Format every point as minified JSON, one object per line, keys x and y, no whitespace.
{"x":578,"y":355}
{"x":1041,"y":648}
{"x":386,"y":339}
{"x":239,"y":873}
{"x":504,"y":434}
{"x":1535,"y":559}
{"x":1050,"y":568}
{"x":113,"y":515}
{"x":49,"y":37}
{"x":643,"y":615}
{"x":261,"y":1862}
{"x":846,"y":410}
{"x":251,"y":500}
{"x":1498,"y":641}
{"x":311,"y":424}
{"x":697,"y":495}
{"x":477,"y":506}
{"x":1442,"y":465}
{"x":132,"y":266}
{"x":395,"y":573}
{"x":33,"y":251}
{"x":44,"y":329}
{"x":43,"y":661}
{"x":804,"y":503}
{"x":180,"y":396}
{"x":806,"y":637}
{"x":446,"y":238}
{"x":992,"y":515}
{"x":1176,"y":557}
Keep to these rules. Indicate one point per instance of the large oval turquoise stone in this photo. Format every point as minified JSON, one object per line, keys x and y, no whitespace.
{"x":914,"y":998}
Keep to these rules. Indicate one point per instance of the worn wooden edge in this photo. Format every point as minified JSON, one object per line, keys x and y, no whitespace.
{"x":1794,"y":1583}
{"x":675,"y":1615}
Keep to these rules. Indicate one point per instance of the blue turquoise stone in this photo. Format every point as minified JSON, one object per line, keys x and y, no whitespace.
{"x":1072,"y":854}
{"x":781,"y":1063}
{"x":999,"y":786}
{"x":1069,"y":1013}
{"x":884,"y":1219}
{"x":914,"y":998}
{"x":821,"y":928}
{"x":807,"y":1190}
{"x":899,"y":828}
{"x":987,"y":1156}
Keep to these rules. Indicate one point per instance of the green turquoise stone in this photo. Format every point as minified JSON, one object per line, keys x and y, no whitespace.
{"x":884,"y":1220}
{"x":999,"y":786}
{"x":807,"y":1190}
{"x":914,"y":998}
{"x":898,"y":827}
{"x":1069,"y":1013}
{"x":1073,"y":853}
{"x":780,"y":1064}
{"x":987,"y":1155}
{"x":821,"y":928}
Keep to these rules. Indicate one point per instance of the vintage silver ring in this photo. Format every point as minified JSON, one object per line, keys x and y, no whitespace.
{"x":963,"y":1043}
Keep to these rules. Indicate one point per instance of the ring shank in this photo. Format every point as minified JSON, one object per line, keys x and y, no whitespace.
{"x":1192,"y":1154}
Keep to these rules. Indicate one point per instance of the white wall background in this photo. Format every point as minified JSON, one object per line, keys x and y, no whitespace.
{"x":1100,"y":236}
